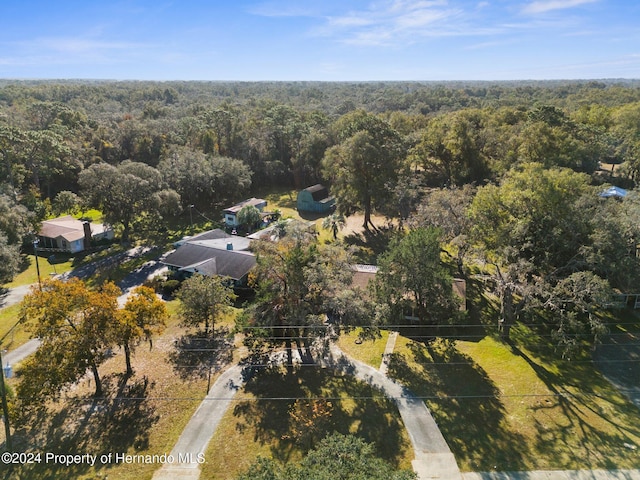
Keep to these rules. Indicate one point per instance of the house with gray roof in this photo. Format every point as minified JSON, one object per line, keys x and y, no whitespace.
{"x":213,"y":253}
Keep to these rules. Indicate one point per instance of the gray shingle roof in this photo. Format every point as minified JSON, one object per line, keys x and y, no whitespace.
{"x":211,"y":261}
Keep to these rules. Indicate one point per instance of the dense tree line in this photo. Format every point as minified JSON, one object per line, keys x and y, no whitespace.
{"x":454,"y":156}
{"x":49,"y":132}
{"x":498,"y":181}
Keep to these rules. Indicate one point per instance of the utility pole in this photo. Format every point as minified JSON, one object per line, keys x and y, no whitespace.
{"x":5,"y":407}
{"x":35,"y":252}
{"x":191,"y":217}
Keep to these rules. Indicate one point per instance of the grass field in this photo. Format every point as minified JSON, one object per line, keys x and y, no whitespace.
{"x":29,"y":273}
{"x":261,"y":423}
{"x":515,"y":408}
{"x":154,"y":407}
{"x":12,"y":333}
{"x":507,"y":409}
{"x":367,"y":351}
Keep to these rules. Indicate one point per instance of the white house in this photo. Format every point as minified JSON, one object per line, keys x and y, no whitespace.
{"x":230,"y":213}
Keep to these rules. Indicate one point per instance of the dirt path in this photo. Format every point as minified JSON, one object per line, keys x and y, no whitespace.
{"x":353,"y":225}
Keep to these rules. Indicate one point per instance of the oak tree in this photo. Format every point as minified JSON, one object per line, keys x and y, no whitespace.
{"x":365,"y":163}
{"x":142,"y":316}
{"x":204,"y":300}
{"x":74,"y":324}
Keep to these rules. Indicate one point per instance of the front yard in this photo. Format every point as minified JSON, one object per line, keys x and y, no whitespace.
{"x":504,"y":408}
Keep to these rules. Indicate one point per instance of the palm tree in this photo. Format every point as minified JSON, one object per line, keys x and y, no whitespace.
{"x":334,"y":222}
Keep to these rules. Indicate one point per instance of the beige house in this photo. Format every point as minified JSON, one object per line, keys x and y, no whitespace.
{"x":67,"y":234}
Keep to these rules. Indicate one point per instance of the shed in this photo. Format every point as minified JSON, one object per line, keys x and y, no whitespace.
{"x":615,"y":192}
{"x":315,"y":198}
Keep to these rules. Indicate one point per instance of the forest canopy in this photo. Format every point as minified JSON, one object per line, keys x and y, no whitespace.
{"x":146,"y":152}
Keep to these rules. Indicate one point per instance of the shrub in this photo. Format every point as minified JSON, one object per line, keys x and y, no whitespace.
{"x":169,"y":287}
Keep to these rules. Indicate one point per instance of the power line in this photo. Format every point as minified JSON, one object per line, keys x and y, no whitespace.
{"x":202,"y":214}
{"x":394,"y":326}
{"x":343,"y":398}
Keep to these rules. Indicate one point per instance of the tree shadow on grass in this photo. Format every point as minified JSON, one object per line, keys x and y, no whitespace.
{"x":196,"y":355}
{"x":371,"y":243}
{"x":465,"y":403}
{"x":83,"y":425}
{"x":355,"y":408}
{"x":584,"y":421}
{"x":24,"y":264}
{"x":482,"y":311}
{"x":617,"y":358}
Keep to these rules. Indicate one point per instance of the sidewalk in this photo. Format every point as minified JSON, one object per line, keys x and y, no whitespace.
{"x":557,"y":475}
{"x":195,"y":437}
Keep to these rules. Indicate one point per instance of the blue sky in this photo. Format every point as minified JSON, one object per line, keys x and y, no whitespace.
{"x":320,"y":40}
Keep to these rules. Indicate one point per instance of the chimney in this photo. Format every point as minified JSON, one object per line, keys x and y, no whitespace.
{"x":87,"y":235}
{"x":229,"y":245}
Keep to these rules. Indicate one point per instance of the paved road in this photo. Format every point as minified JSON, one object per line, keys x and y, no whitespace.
{"x":17,"y":355}
{"x":557,"y":475}
{"x":138,"y":277}
{"x":135,"y":278}
{"x":14,"y":295}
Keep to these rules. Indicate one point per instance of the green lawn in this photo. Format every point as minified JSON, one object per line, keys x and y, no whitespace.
{"x":29,"y":273}
{"x":367,"y":351}
{"x":260,"y":422}
{"x":91,"y":215}
{"x":285,"y":201}
{"x":13,"y":337}
{"x":28,"y":276}
{"x":509,"y":409}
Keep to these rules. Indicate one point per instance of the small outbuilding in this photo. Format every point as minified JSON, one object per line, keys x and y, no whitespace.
{"x":315,"y":199}
{"x":615,"y":192}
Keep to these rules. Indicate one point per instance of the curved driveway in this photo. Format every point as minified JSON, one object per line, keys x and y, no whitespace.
{"x":433,"y":458}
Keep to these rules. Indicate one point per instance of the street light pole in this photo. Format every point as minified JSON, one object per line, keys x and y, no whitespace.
{"x":191,"y":216}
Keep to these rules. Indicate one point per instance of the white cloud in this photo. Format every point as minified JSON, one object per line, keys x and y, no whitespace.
{"x":398,"y":23}
{"x":390,"y":22}
{"x":70,"y":51}
{"x":543,"y":6}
